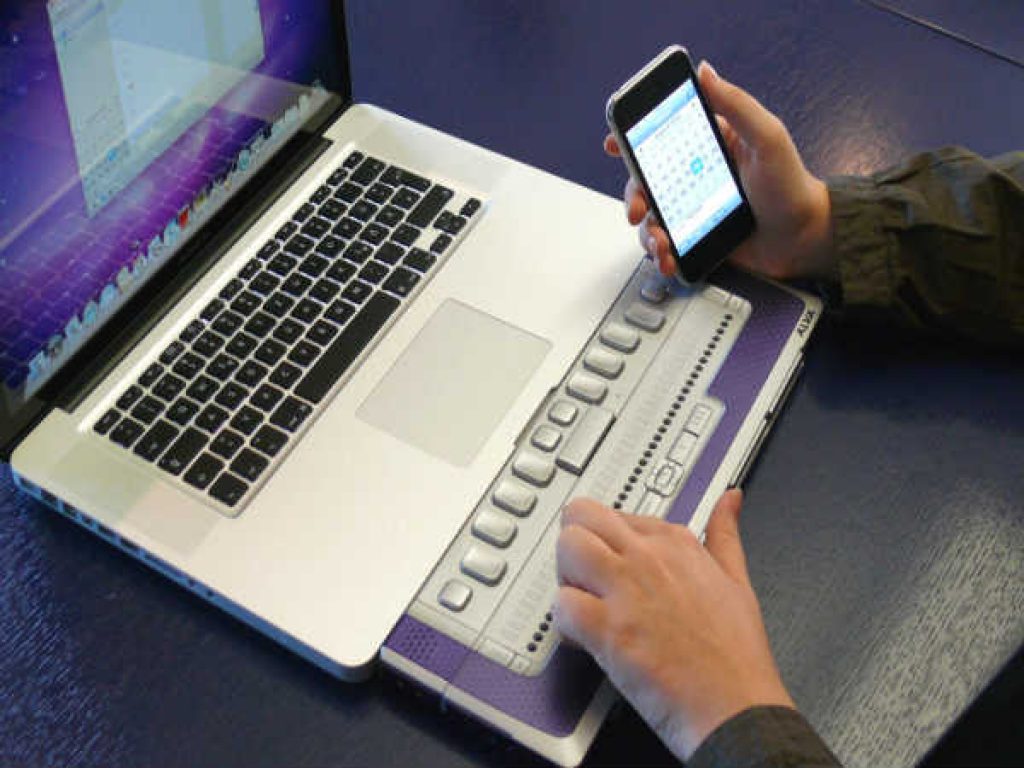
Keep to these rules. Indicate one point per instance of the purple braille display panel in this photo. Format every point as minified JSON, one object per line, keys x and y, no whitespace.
{"x":555,"y":701}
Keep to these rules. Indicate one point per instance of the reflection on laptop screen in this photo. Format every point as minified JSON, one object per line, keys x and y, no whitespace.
{"x":124,"y":124}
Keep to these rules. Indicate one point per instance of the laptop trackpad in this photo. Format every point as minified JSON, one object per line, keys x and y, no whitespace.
{"x":453,"y":384}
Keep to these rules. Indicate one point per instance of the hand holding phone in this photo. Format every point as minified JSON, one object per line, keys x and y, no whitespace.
{"x":672,"y":145}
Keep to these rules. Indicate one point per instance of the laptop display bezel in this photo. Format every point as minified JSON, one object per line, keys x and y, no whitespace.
{"x":81,"y":373}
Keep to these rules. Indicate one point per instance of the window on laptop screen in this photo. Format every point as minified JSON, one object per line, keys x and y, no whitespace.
{"x":124,"y":124}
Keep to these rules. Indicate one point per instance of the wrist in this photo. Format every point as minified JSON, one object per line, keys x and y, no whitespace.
{"x":817,"y":233}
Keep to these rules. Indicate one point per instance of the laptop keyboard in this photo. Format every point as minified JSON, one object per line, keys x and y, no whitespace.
{"x":220,"y":403}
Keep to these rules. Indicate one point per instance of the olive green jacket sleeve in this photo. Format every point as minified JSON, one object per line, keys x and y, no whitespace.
{"x":935,"y":244}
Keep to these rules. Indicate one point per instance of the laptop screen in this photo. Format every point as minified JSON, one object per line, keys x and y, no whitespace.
{"x":124,"y":125}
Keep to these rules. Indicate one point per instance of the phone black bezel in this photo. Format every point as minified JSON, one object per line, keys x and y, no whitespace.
{"x":632,"y":106}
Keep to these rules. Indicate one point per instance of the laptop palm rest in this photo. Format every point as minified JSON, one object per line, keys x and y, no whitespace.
{"x":455,"y":381}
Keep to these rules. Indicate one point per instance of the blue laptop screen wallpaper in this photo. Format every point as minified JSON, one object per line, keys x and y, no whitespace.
{"x":124,"y":124}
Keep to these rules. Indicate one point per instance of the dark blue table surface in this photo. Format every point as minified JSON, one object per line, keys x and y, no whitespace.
{"x":884,"y":522}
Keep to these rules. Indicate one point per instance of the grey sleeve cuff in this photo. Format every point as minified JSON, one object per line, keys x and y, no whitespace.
{"x":763,"y":737}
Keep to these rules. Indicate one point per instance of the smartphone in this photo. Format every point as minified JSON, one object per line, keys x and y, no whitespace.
{"x":672,"y":146}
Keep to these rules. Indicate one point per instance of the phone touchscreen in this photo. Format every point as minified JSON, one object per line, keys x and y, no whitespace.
{"x":684,"y":167}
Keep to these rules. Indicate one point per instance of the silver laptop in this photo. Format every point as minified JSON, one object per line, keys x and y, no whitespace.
{"x":336,"y":372}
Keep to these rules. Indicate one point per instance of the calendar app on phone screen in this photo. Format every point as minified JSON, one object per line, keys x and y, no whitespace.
{"x":684,"y":167}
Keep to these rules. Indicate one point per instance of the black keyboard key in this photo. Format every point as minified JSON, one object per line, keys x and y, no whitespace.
{"x":182,"y":411}
{"x":367,"y":171}
{"x":169,"y":387}
{"x":340,"y":312}
{"x":246,"y":303}
{"x":192,"y":330}
{"x":249,"y":465}
{"x":307,"y":311}
{"x":470,"y":207}
{"x":151,"y":374}
{"x":172,"y":352}
{"x":395,"y":175}
{"x":287,"y":230}
{"x":405,"y":198}
{"x":431,"y":204}
{"x":282,"y":264}
{"x":353,"y":160}
{"x":296,"y":284}
{"x":337,"y":177}
{"x":349,"y":192}
{"x":110,"y":418}
{"x":330,"y":246}
{"x":362,"y":210}
{"x":305,"y":211}
{"x":232,"y":395}
{"x":270,"y":352}
{"x":202,"y":472}
{"x":324,"y":290}
{"x":333,"y":209}
{"x":266,"y":397}
{"x":250,"y":269}
{"x":189,"y":366}
{"x":347,"y":228}
{"x":278,"y":304}
{"x":440,"y":243}
{"x":374,"y":233}
{"x":357,"y":292}
{"x":420,"y":260}
{"x":336,"y":359}
{"x":211,"y":310}
{"x":299,"y":245}
{"x":202,"y":389}
{"x":228,"y":323}
{"x":222,"y":366}
{"x":288,"y":331}
{"x":184,"y":449}
{"x":229,"y":291}
{"x":269,"y":249}
{"x":156,"y":440}
{"x":316,"y":228}
{"x":379,"y":193}
{"x":373,"y":272}
{"x":406,"y":234}
{"x":390,"y":253}
{"x":251,"y":373}
{"x":227,"y":443}
{"x":208,"y":344}
{"x":341,"y":271}
{"x":264,"y":283}
{"x":322,"y":333}
{"x":446,"y":222}
{"x":304,"y":353}
{"x":241,"y":345}
{"x":268,"y":440}
{"x":260,"y":324}
{"x":321,"y":194}
{"x":126,"y":432}
{"x":290,"y":414}
{"x":228,"y":490}
{"x":285,"y":375}
{"x":401,"y":281}
{"x":314,"y":266}
{"x":211,"y":418}
{"x":147,"y":409}
{"x":389,"y":216}
{"x":246,"y":420}
{"x":129,"y":398}
{"x":358,"y":253}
